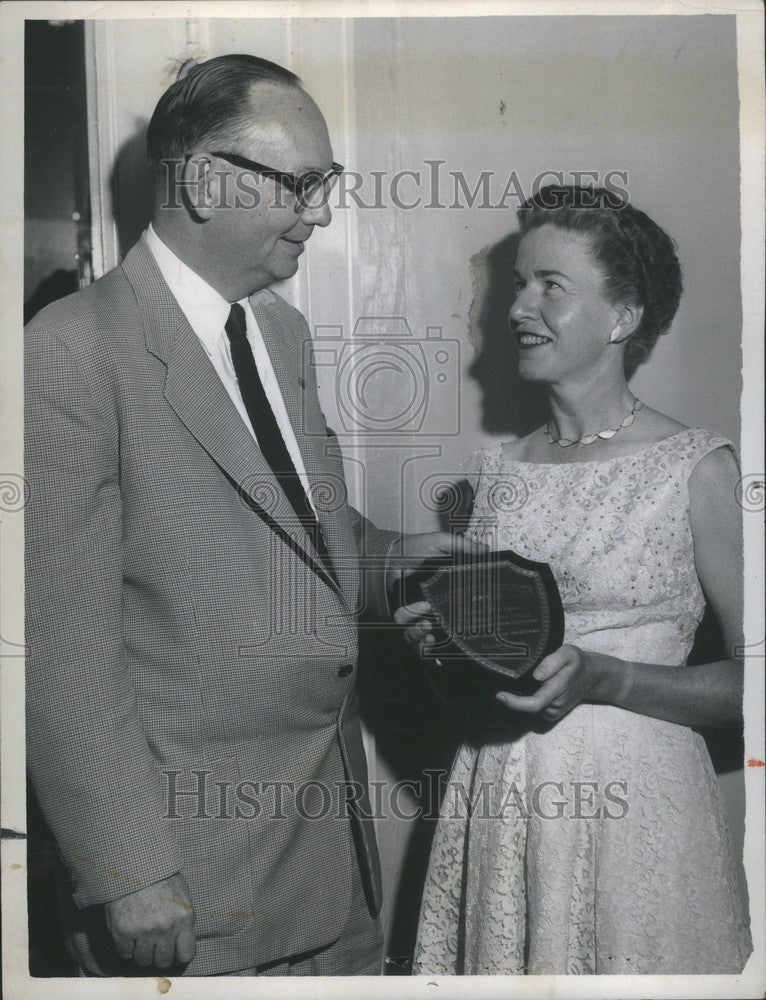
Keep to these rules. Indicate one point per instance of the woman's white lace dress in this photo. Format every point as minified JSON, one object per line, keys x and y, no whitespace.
{"x":596,"y":844}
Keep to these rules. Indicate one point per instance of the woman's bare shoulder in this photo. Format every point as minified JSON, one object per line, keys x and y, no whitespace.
{"x":654,"y":426}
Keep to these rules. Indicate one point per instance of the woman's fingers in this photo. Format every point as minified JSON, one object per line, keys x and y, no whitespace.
{"x":553,"y":690}
{"x":561,"y":685}
{"x":553,"y":663}
{"x":520,"y":703}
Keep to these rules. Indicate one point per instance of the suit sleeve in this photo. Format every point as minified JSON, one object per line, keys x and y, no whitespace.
{"x":375,"y":546}
{"x":87,"y":753}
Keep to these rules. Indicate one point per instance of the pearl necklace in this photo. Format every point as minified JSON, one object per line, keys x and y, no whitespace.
{"x":590,"y":438}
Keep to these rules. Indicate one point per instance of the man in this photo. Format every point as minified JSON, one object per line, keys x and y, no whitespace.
{"x":192,"y":593}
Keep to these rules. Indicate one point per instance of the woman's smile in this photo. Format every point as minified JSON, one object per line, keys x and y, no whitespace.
{"x":527,"y":340}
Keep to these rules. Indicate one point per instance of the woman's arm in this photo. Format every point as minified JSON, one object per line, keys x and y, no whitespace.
{"x":706,"y":695}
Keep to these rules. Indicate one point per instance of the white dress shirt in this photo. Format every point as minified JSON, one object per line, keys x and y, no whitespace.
{"x":207,"y":312}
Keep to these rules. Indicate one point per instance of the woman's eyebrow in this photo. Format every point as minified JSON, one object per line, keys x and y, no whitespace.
{"x":547,"y":274}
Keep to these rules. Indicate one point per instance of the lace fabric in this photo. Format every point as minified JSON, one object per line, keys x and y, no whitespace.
{"x":596,"y":844}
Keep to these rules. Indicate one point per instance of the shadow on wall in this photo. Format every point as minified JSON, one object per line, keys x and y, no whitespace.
{"x":132,"y":189}
{"x":509,"y":406}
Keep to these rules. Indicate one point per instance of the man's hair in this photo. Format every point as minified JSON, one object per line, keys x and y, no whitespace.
{"x":209,"y":106}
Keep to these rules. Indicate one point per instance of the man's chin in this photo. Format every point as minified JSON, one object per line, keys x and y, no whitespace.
{"x":283,"y":269}
{"x":287,"y":270}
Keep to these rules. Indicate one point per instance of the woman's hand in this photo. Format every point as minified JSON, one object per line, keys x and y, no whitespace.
{"x":568,"y":676}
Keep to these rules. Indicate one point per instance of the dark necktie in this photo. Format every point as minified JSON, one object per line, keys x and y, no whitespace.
{"x":267,"y":432}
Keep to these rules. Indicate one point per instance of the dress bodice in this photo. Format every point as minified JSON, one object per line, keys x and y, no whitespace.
{"x":616,"y":534}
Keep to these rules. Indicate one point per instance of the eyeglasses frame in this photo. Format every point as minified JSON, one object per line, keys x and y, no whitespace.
{"x":295,"y":183}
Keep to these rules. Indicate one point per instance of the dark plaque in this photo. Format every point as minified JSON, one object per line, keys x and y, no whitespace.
{"x":496,"y":616}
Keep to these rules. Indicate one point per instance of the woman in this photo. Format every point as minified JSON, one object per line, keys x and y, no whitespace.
{"x":588,"y":835}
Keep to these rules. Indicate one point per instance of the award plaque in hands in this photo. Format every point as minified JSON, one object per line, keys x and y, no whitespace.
{"x":496,"y":617}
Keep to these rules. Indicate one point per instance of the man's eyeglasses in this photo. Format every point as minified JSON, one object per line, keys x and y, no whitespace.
{"x":311,"y":189}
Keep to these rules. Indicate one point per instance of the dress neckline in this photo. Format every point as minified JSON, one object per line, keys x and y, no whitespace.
{"x":597,"y":461}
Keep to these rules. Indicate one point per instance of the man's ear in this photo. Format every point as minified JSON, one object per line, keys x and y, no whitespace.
{"x":628,"y":320}
{"x":202,"y":185}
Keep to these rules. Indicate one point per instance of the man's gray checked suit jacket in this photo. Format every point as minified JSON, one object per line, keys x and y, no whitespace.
{"x":181,"y":630}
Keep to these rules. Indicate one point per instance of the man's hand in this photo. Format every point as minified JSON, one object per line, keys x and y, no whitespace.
{"x":408,"y":556}
{"x":417,"y":631}
{"x":413,"y":550}
{"x":154,"y":926}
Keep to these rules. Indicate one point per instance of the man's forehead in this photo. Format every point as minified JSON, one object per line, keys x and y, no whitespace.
{"x":287,"y":126}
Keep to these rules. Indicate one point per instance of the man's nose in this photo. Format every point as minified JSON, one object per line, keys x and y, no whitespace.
{"x":317,"y":215}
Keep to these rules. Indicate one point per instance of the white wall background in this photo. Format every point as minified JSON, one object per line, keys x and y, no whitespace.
{"x":655,"y":97}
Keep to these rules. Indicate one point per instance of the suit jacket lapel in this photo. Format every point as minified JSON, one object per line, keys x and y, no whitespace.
{"x":196,"y":393}
{"x":321,"y":458}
